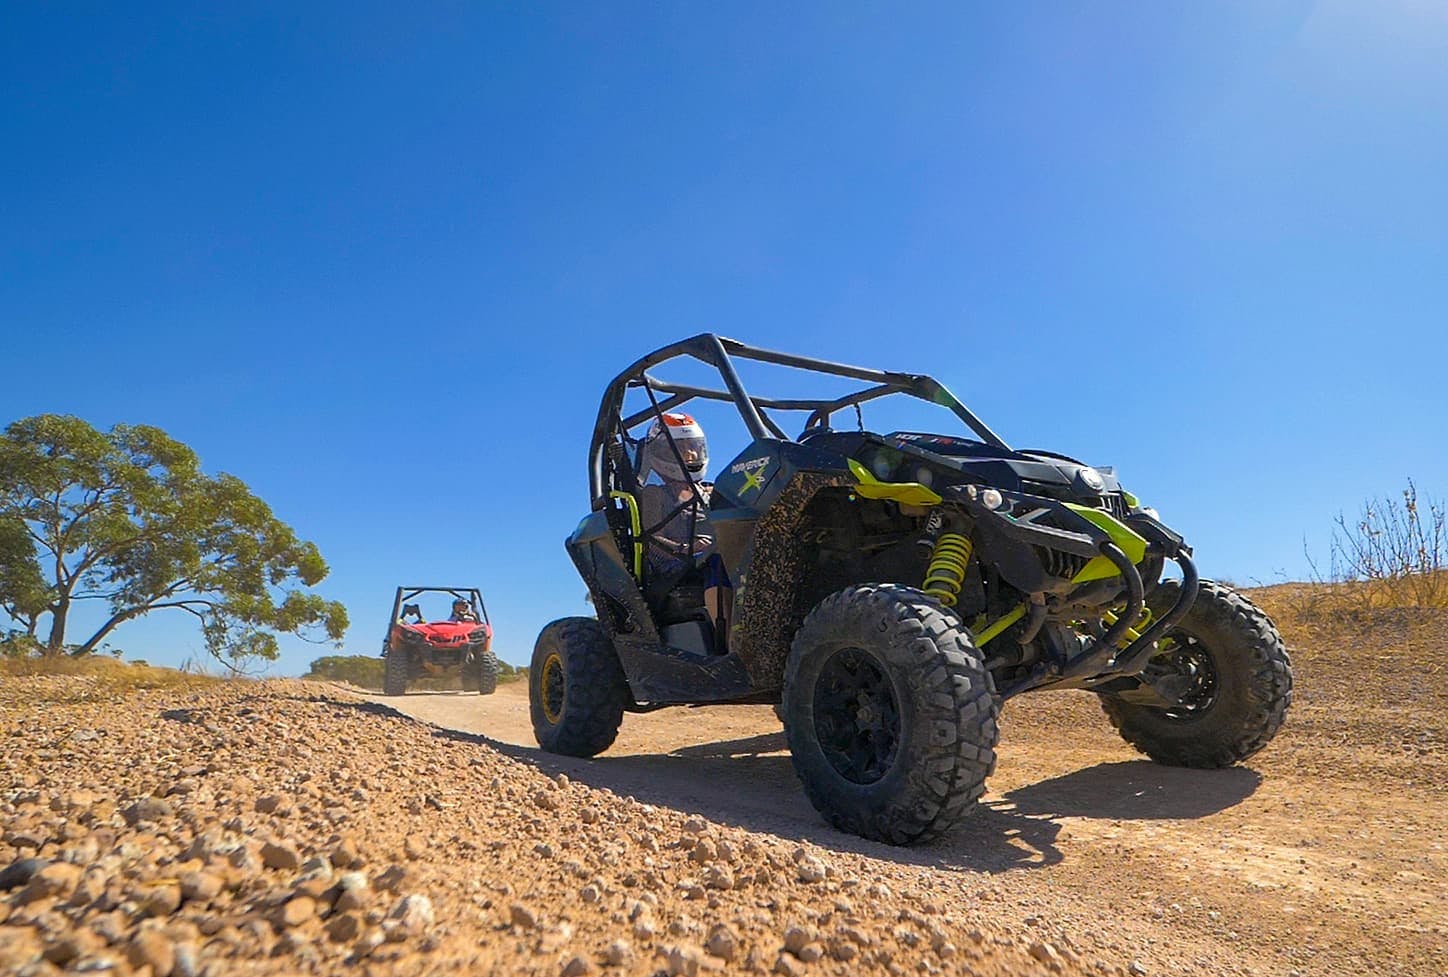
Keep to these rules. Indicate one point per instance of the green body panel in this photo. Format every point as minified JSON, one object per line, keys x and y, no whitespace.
{"x":909,"y":493}
{"x":1133,"y":545}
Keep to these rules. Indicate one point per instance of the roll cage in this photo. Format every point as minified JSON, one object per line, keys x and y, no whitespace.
{"x":610,"y":468}
{"x":472,"y":595}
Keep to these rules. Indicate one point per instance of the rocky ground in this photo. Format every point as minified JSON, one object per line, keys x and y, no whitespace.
{"x":288,"y":827}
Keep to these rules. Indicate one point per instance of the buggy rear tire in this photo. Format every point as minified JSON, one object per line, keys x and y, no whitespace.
{"x":1241,"y":684}
{"x":890,"y":714}
{"x":394,"y":672}
{"x":577,"y":692}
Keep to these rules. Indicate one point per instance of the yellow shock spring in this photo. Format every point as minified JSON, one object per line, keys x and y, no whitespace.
{"x":1142,"y":622}
{"x":946,"y":573}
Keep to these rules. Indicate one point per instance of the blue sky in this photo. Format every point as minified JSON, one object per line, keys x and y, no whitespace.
{"x":379,"y":263}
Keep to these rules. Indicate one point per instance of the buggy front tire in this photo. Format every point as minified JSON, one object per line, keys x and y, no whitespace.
{"x":889,"y":713}
{"x":1239,"y":683}
{"x":577,"y":692}
{"x":485,"y":670}
{"x":394,"y":673}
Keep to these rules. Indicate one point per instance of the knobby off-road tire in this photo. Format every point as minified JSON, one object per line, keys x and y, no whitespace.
{"x":481,"y":672}
{"x":1245,"y":695}
{"x":876,"y":661}
{"x":486,"y":668}
{"x":576,"y":688}
{"x":394,"y":673}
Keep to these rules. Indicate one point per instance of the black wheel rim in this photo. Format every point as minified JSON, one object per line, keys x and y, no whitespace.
{"x":1188,"y":659}
{"x":553,"y":689}
{"x":856,"y":716}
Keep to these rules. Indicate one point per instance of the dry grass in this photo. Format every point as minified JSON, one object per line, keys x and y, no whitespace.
{"x":66,"y":679}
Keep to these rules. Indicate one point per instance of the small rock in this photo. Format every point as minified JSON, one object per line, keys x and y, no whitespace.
{"x":588,"y":815}
{"x":162,"y":900}
{"x":618,"y":954}
{"x":186,"y":962}
{"x":719,"y":877}
{"x":811,"y":952}
{"x":71,"y":946}
{"x":788,"y":966}
{"x":723,"y":942}
{"x":1044,"y":952}
{"x":1136,"y":969}
{"x":344,"y":927}
{"x":576,"y":966}
{"x":811,"y":870}
{"x":56,"y":879}
{"x":151,"y":948}
{"x":199,"y":886}
{"x":545,"y":800}
{"x":414,"y":913}
{"x":148,"y":809}
{"x":796,"y":937}
{"x":271,"y":803}
{"x":521,"y":916}
{"x":296,"y":911}
{"x":20,"y":872}
{"x":391,"y":880}
{"x":589,"y":894}
{"x":681,"y":961}
{"x":282,"y":857}
{"x":345,"y":854}
{"x":704,"y":852}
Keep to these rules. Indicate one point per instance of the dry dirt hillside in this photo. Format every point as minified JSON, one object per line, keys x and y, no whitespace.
{"x":288,"y":827}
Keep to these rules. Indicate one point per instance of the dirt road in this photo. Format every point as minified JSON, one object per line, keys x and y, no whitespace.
{"x":1323,"y":855}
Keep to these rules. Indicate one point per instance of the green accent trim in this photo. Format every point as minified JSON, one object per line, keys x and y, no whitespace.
{"x":635,"y":524}
{"x":909,"y":493}
{"x":1130,"y":499}
{"x":1133,"y":545}
{"x":993,"y":630}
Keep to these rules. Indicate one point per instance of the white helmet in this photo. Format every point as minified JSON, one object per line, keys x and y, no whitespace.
{"x":658,"y":456}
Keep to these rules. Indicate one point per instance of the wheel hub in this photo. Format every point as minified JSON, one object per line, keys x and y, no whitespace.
{"x":856,"y":716}
{"x":553,"y":688}
{"x":1186,"y":673}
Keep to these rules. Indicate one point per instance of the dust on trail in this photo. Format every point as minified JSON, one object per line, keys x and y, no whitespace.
{"x":1324,"y":854}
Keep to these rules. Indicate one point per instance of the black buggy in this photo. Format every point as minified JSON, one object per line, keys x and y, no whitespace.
{"x":890,"y":591}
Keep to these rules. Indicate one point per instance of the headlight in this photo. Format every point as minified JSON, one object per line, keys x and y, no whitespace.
{"x":924,"y":476}
{"x":1092,"y":479}
{"x":992,"y":498}
{"x":881,"y":466}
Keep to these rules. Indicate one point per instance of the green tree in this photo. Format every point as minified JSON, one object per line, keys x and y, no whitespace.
{"x":127,"y":519}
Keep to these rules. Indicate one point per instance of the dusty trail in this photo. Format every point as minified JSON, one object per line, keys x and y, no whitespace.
{"x":1325,"y":854}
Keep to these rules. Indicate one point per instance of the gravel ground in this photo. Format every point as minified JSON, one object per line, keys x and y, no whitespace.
{"x":283,"y":827}
{"x":289,"y":827}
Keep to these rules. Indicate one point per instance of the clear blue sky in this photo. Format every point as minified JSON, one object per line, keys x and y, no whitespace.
{"x":1207,"y":243}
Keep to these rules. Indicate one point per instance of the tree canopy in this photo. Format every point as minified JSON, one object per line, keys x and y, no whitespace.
{"x":126,"y":519}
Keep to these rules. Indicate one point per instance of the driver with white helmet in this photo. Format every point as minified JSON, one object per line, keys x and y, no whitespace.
{"x":678,"y":529}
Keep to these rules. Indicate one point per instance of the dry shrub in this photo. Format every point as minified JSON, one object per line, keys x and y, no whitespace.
{"x":1387,"y":575}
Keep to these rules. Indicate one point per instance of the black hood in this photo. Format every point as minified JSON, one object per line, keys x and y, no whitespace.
{"x":1035,"y":472}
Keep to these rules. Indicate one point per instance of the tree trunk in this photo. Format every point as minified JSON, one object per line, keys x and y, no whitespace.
{"x":55,"y":644}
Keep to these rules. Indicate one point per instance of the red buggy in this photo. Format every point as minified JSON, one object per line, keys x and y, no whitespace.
{"x":415,"y":646}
